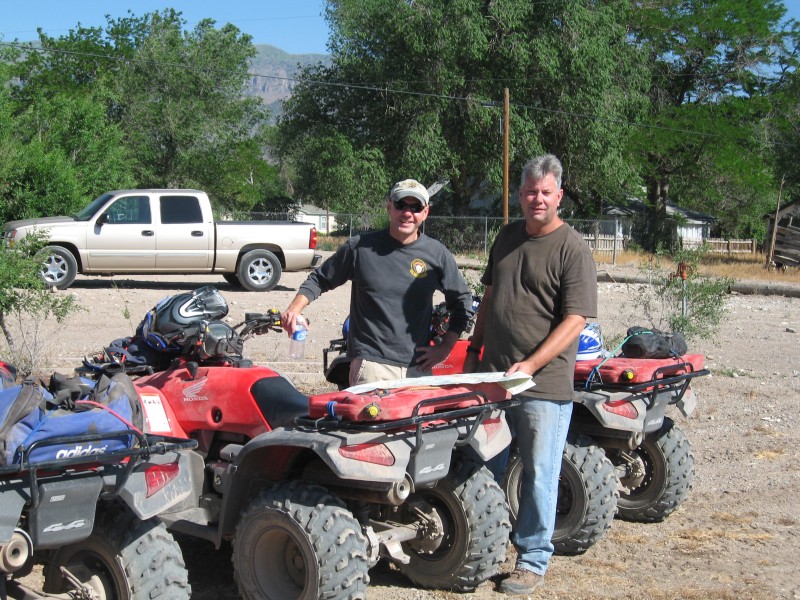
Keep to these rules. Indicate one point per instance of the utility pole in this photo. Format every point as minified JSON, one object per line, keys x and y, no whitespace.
{"x":505,"y":154}
{"x":771,"y":249}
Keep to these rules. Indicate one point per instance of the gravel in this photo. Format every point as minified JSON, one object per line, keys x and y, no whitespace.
{"x":737,"y":535}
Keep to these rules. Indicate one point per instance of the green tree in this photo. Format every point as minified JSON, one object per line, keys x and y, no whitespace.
{"x":67,"y":149}
{"x":337,"y":177}
{"x":783,"y":123}
{"x":186,"y":120}
{"x":709,"y":92}
{"x":422,"y":83}
{"x":147,"y":103}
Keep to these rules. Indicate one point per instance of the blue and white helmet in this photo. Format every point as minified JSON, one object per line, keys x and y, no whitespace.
{"x":590,"y":342}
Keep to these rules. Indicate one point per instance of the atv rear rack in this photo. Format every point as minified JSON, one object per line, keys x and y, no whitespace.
{"x":649,"y":390}
{"x":117,"y":460}
{"x":416,"y":420}
{"x":656,"y":381}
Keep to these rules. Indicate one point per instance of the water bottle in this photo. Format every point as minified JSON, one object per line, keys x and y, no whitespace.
{"x":297,"y":345}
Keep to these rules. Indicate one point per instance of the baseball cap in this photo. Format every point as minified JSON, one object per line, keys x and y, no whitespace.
{"x":409,"y":188}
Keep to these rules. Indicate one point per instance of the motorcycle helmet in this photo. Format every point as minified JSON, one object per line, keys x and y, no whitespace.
{"x":175,"y":313}
{"x":170,"y":319}
{"x":590,"y":342}
{"x":346,"y":328}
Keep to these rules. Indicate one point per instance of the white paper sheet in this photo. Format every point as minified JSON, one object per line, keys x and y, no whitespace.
{"x":514,"y":383}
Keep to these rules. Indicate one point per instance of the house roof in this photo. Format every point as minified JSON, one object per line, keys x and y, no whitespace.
{"x":634,"y":207}
{"x":310,"y":209}
{"x":790,"y":209}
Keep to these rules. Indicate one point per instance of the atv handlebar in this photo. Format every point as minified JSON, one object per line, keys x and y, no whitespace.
{"x":259,"y":324}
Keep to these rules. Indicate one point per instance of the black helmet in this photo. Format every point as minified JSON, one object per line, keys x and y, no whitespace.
{"x":171,"y":317}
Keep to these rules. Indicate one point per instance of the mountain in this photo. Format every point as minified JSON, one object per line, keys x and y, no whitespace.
{"x":273,"y":72}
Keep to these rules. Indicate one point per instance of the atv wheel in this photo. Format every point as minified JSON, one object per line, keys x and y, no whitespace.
{"x":471,"y":544}
{"x":60,"y":267}
{"x":124,"y":558}
{"x":587,"y":495}
{"x":259,"y":271}
{"x":657,"y":476}
{"x":298,"y":542}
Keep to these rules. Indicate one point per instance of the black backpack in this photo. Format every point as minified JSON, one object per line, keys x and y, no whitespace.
{"x":652,"y":343}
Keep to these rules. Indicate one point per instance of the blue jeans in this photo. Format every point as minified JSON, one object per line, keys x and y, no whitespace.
{"x":540,"y":429}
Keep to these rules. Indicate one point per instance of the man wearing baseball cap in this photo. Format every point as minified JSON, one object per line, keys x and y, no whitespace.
{"x":394,"y":273}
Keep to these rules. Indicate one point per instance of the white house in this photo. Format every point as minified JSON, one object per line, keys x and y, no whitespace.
{"x":691,"y":227}
{"x":323,"y":220}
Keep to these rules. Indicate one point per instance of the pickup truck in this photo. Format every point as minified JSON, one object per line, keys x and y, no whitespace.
{"x":167,"y":231}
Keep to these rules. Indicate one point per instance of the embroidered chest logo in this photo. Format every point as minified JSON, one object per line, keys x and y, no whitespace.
{"x":418,"y":268}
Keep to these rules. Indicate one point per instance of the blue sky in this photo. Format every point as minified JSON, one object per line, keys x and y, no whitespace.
{"x":296,"y":26}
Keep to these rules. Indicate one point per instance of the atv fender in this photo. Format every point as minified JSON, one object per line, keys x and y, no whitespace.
{"x":178,"y":489}
{"x":594,"y":401}
{"x":274,"y":453}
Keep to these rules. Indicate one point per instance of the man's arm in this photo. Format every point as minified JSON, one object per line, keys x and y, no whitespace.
{"x":330,"y":274}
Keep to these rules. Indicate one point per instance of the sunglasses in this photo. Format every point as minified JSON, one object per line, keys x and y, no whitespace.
{"x":402,"y":206}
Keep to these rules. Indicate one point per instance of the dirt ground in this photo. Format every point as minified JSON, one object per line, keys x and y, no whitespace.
{"x":738,"y":534}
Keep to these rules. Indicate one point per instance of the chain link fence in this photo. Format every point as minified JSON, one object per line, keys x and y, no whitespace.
{"x":474,"y":235}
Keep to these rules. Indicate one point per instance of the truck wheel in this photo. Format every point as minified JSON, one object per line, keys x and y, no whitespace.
{"x":657,"y":476}
{"x":472,"y":540}
{"x":259,"y":271}
{"x":232,"y":279}
{"x":298,"y":542}
{"x":587,"y":495}
{"x":60,"y":267}
{"x":124,"y":558}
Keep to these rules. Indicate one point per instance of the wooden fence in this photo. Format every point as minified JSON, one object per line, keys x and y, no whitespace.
{"x":720,"y":246}
{"x":610,"y":244}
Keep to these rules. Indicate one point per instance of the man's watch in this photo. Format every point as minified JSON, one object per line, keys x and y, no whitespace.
{"x":473,"y":350}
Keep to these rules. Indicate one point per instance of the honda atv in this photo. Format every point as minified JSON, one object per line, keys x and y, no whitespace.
{"x":80,"y":485}
{"x":313,"y":492}
{"x":622,"y":457}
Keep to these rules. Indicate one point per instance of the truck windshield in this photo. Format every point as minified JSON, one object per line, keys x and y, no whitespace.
{"x":90,"y":210}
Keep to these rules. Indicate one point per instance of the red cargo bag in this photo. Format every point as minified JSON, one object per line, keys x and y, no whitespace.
{"x":620,"y":370}
{"x":400,"y":403}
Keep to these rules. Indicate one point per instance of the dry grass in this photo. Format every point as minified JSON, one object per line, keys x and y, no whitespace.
{"x":770,"y":454}
{"x":738,"y":266}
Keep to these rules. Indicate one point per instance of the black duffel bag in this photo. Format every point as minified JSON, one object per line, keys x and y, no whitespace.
{"x":652,"y":343}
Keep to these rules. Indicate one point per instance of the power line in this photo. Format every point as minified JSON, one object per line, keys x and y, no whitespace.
{"x":383,"y":90}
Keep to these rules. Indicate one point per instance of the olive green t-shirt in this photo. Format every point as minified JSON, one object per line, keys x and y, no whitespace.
{"x":536,"y":282}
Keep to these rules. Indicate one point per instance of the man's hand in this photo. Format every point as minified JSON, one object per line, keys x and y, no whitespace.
{"x":524,"y":367}
{"x":430,"y":356}
{"x":290,"y":315}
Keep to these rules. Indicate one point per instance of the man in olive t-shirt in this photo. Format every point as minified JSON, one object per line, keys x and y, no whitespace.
{"x":541,"y":286}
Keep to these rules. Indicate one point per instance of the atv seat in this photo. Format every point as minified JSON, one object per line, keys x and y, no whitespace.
{"x":279,"y":401}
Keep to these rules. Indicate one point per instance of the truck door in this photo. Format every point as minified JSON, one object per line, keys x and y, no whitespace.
{"x":185,"y":241}
{"x":122,"y":237}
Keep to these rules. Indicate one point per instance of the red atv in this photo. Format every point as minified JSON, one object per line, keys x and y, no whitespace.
{"x":314,"y":491}
{"x":80,"y":487}
{"x":623,"y":455}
